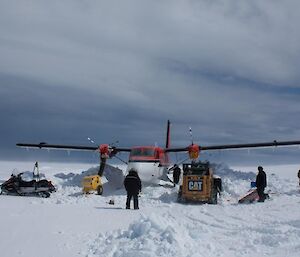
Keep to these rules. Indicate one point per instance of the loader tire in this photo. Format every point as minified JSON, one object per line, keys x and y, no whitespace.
{"x":99,"y":190}
{"x":214,"y":196}
{"x":179,"y":196}
{"x":181,"y":199}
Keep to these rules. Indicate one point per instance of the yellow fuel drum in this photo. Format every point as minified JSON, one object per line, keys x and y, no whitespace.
{"x":92,"y":183}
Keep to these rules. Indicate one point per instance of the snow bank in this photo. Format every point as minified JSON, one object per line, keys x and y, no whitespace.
{"x":145,"y":237}
{"x":114,"y":175}
{"x":74,"y":224}
{"x":228,"y":229}
{"x":235,"y":183}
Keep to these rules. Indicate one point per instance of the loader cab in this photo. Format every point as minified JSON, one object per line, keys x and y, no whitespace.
{"x":196,"y":168}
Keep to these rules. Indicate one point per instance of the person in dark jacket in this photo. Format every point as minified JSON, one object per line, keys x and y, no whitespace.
{"x":133,"y":186}
{"x":261,"y":183}
{"x":299,"y":176}
{"x":176,"y":174}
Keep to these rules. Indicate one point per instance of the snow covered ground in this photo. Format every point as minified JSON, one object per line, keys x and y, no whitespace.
{"x":71,"y":224}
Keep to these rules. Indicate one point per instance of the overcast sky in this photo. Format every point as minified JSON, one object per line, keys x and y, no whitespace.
{"x":117,"y":70}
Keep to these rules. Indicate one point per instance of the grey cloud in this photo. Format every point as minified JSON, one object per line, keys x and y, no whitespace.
{"x":72,"y":69}
{"x":99,"y":40}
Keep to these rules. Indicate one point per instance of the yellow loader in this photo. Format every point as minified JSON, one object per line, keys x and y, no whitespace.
{"x":199,"y":184}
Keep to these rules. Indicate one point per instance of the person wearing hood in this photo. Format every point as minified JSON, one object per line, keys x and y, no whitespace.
{"x":261,"y":183}
{"x":176,"y":174}
{"x":133,"y":186}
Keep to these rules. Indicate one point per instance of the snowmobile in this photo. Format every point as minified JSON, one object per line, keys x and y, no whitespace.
{"x":15,"y":185}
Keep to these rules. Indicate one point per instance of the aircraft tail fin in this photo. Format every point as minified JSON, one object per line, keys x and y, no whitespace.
{"x":168,"y":135}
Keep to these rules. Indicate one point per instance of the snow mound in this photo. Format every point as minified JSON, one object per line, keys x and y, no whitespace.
{"x":235,"y":183}
{"x":147,"y":237}
{"x":72,"y":179}
{"x":161,"y":227}
{"x":204,"y":230}
{"x":112,"y":174}
{"x":223,"y":170}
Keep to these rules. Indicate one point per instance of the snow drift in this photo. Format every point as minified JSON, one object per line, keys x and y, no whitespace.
{"x":77,"y":225}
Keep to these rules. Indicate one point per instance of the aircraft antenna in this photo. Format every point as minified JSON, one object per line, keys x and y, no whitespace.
{"x":168,"y":134}
{"x":191,"y":134}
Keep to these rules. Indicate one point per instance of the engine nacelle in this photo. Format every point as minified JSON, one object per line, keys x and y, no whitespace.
{"x":104,"y":150}
{"x":194,"y":151}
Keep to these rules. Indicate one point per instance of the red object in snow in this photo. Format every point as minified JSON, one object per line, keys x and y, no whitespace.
{"x":250,"y":197}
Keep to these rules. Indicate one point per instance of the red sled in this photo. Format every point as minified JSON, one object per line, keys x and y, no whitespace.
{"x":250,"y":197}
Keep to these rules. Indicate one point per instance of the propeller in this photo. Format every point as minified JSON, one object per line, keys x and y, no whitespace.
{"x":108,"y":151}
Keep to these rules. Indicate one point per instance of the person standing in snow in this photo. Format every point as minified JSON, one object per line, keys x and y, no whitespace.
{"x":299,"y":176}
{"x":176,"y":174}
{"x":261,"y":183}
{"x":133,"y":186}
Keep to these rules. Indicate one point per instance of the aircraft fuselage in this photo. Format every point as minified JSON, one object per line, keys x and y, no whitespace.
{"x":150,"y":162}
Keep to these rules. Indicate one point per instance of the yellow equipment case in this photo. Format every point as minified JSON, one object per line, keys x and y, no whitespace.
{"x":92,"y":183}
{"x":199,"y":184}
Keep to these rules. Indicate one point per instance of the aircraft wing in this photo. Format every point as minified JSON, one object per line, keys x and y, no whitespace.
{"x":237,"y":146}
{"x":70,"y":147}
{"x":175,"y":150}
{"x":252,"y":145}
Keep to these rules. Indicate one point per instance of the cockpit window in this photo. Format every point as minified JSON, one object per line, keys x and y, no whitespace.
{"x":142,"y":152}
